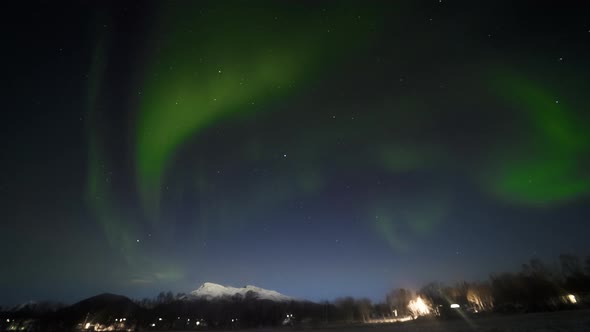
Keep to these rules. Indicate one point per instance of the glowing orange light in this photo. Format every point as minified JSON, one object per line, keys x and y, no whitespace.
{"x":418,"y":307}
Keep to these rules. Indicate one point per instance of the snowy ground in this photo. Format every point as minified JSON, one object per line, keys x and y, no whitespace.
{"x":557,"y":321}
{"x":576,"y":321}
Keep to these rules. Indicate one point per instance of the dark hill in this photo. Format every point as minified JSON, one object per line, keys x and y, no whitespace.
{"x":101,"y":308}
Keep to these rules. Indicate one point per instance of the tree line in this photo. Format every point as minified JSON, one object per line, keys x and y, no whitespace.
{"x":536,"y":287}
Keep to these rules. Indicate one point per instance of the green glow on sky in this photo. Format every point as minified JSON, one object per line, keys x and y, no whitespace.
{"x":403,"y":159}
{"x":545,"y":167}
{"x":120,"y":229}
{"x":99,"y":191}
{"x":389,"y":229}
{"x":178,"y":108}
{"x":401,"y":221}
{"x":198,"y":77}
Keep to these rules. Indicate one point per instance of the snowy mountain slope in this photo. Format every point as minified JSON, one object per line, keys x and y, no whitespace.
{"x":211,"y":291}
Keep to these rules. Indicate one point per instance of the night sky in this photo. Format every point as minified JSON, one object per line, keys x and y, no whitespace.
{"x":320,"y":149}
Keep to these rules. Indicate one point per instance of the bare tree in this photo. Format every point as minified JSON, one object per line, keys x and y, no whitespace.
{"x":397,"y":300}
{"x":480,"y":296}
{"x":570,"y":265}
{"x":346,"y":306}
{"x":433,"y":292}
{"x":363,"y":308}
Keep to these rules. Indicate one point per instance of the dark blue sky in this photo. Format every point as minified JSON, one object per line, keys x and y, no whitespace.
{"x":320,"y":149}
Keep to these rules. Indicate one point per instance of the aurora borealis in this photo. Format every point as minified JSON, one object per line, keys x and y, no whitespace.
{"x":321,"y":149}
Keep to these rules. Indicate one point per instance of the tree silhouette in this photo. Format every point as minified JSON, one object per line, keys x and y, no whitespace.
{"x":398,"y":299}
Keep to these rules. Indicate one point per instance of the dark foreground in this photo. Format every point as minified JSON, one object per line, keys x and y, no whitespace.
{"x":554,"y":321}
{"x":578,"y":320}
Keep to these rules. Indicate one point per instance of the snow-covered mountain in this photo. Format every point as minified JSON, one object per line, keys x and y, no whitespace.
{"x":210,"y":291}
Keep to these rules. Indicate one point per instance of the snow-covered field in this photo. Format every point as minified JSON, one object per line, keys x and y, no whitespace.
{"x":556,"y":321}
{"x":575,"y":321}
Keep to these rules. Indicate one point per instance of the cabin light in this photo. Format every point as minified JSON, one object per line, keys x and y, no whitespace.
{"x":87,"y":326}
{"x":455,"y":306}
{"x":159,"y":318}
{"x":572,"y":298}
{"x":153,"y":324}
{"x":7,"y":320}
{"x":198,"y":323}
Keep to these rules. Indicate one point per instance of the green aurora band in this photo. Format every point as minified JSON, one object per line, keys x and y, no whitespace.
{"x":206,"y":72}
{"x":545,"y":168}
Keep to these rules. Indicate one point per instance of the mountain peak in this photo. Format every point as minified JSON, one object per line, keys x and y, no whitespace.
{"x":210,"y":285}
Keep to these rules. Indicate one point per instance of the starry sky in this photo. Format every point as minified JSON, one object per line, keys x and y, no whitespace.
{"x":320,"y":149}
